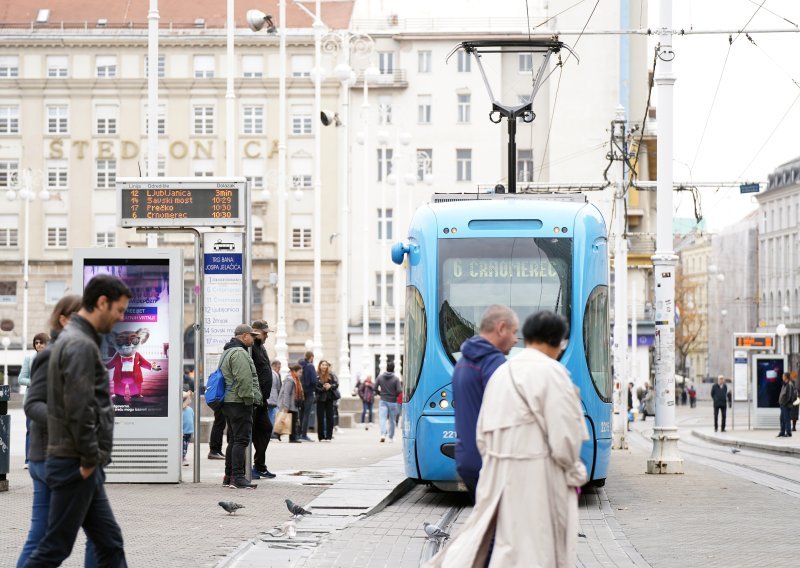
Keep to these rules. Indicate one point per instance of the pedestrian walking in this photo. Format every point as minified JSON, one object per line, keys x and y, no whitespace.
{"x":262,"y":425}
{"x":649,"y":402}
{"x":366,"y":392}
{"x":326,"y":391}
{"x":309,"y":379}
{"x":40,"y":341}
{"x":388,"y":388}
{"x":630,"y":406}
{"x":795,"y":408}
{"x":692,"y":396}
{"x":480,"y":357}
{"x":786,"y":401}
{"x":242,"y":392}
{"x":80,"y":431}
{"x":640,"y":392}
{"x":530,"y":430}
{"x":274,"y":394}
{"x":291,"y":399}
{"x":683,"y":395}
{"x":187,"y":417}
{"x":719,"y":394}
{"x":36,"y":413}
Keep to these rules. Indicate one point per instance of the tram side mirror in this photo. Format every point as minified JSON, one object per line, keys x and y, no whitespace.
{"x":399,"y":250}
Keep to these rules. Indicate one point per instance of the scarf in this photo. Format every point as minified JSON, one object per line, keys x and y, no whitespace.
{"x":298,"y":389}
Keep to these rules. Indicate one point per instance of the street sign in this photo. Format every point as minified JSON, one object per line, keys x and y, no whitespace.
{"x":181,"y":202}
{"x":761,"y":341}
{"x":749,"y":188}
{"x":223,"y":292}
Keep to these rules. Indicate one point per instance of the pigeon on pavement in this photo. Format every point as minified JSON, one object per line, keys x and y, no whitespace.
{"x":230,"y":506}
{"x":296,"y":509}
{"x":433,"y":531}
{"x":735,"y":450}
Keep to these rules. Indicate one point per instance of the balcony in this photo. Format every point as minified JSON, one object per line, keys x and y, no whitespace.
{"x":394,"y":80}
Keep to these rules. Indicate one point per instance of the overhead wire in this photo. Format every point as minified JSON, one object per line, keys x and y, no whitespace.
{"x":713,"y":101}
{"x":785,"y":19}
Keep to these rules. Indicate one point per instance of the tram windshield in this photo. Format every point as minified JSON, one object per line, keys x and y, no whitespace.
{"x":526,"y":274}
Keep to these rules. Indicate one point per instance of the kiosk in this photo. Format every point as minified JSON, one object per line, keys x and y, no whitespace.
{"x":143,"y":354}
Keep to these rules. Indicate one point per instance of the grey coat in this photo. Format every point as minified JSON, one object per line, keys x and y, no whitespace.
{"x":274,"y":393}
{"x":286,"y":398}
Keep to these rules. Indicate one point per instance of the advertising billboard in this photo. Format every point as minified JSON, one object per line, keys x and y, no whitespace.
{"x":767,"y":380}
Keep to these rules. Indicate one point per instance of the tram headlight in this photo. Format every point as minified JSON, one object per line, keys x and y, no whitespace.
{"x":443,"y":404}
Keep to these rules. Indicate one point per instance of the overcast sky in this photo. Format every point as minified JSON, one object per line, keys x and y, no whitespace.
{"x":755,"y":93}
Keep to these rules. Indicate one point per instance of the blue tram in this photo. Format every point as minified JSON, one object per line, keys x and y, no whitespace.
{"x":465,"y":252}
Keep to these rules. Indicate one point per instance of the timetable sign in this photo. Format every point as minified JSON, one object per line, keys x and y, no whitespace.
{"x":765,"y":341}
{"x":181,"y":202}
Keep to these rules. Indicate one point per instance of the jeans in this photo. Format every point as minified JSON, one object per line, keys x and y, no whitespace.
{"x":239,"y":421}
{"x":186,"y":439}
{"x":215,"y":438}
{"x":325,"y":420}
{"x":272,"y":412}
{"x":388,"y":412}
{"x":76,"y":502}
{"x":786,"y":422}
{"x":366,"y":408}
{"x":262,"y":432}
{"x":305,"y":414}
{"x":717,"y":410}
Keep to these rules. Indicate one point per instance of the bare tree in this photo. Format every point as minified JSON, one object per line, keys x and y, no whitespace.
{"x":690,"y":322}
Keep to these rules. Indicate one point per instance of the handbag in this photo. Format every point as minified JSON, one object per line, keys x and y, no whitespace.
{"x":796,"y":401}
{"x":283,"y":423}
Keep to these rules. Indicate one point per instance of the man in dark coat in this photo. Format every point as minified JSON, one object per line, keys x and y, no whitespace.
{"x":786,"y":402}
{"x":309,"y":382}
{"x":719,"y":394}
{"x":480,"y":357}
{"x":262,"y":426}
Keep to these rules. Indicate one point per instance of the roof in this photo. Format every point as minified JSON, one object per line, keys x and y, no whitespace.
{"x":336,"y":14}
{"x":787,"y":174}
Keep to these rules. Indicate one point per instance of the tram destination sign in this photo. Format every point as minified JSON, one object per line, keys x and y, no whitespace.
{"x":181,"y":202}
{"x":761,"y":341}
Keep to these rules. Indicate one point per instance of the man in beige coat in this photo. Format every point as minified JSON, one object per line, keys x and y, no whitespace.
{"x":530,"y":431}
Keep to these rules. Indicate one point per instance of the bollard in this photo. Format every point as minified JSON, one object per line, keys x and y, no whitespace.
{"x":5,"y":436}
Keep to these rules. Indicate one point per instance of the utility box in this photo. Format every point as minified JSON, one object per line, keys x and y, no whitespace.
{"x":5,"y":436}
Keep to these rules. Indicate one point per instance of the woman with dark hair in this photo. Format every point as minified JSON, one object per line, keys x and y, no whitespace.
{"x":291,"y":399}
{"x":36,"y":411}
{"x":326,"y":389}
{"x":40,"y":341}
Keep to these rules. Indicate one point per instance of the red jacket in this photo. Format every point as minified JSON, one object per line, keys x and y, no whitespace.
{"x":138,"y":362}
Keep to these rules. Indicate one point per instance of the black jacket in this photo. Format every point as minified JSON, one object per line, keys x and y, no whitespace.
{"x":719,"y":394}
{"x":80,"y":417}
{"x":36,"y":402}
{"x":788,"y":394}
{"x":263,"y":368}
{"x":326,"y":395}
{"x":308,"y":379}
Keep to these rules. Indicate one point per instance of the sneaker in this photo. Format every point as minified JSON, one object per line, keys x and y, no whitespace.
{"x":226,"y":481}
{"x":306,"y":439}
{"x":216,"y":456}
{"x":391,"y":440}
{"x":185,"y":463}
{"x":242,"y":483}
{"x":255,"y":474}
{"x":25,"y":466}
{"x":295,"y":441}
{"x":781,"y":436}
{"x":383,"y":438}
{"x":265,"y":473}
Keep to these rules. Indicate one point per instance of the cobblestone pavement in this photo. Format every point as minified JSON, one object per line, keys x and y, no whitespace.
{"x":179,"y":525}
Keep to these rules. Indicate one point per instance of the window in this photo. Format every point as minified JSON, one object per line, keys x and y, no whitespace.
{"x":463,"y":165}
{"x":9,"y":119}
{"x":106,"y":66}
{"x":161,"y":119}
{"x":9,"y":66}
{"x":203,"y":168}
{"x":301,"y":231}
{"x":8,"y":172}
{"x":464,"y":104}
{"x":301,"y":119}
{"x":257,"y":223}
{"x":596,"y":339}
{"x":252,"y":119}
{"x":9,"y":231}
{"x":464,"y":63}
{"x":424,"y":61}
{"x":424,"y":109}
{"x":302,"y":65}
{"x":188,"y":294}
{"x":301,"y":292}
{"x":258,"y":294}
{"x":253,"y":171}
{"x":524,"y":165}
{"x":203,"y":66}
{"x":386,"y":62}
{"x":105,"y":230}
{"x":56,"y":231}
{"x":384,"y":110}
{"x":106,"y":174}
{"x":424,"y":163}
{"x":203,"y":119}
{"x":161,"y":166}
{"x":57,"y":119}
{"x":525,"y":62}
{"x":162,"y":66}
{"x":385,"y":156}
{"x":385,"y":219}
{"x":252,"y":66}
{"x":389,"y":289}
{"x":8,"y":292}
{"x":416,"y":336}
{"x":301,"y":168}
{"x":57,"y":66}
{"x":54,"y":290}
{"x":57,"y":174}
{"x":106,"y":119}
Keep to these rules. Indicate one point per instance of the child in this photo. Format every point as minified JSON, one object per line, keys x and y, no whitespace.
{"x":188,"y":423}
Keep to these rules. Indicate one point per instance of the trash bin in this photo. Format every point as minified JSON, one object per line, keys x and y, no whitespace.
{"x":5,"y":436}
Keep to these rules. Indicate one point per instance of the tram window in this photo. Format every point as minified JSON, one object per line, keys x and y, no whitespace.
{"x":526,"y":274}
{"x":416,"y":334}
{"x":597,"y":341}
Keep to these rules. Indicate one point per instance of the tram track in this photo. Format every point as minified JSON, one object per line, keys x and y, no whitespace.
{"x":433,"y":545}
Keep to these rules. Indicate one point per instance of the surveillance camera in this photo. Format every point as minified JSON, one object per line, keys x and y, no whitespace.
{"x":328,"y":118}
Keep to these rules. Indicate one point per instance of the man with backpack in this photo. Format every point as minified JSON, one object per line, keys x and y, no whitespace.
{"x":242,"y":391}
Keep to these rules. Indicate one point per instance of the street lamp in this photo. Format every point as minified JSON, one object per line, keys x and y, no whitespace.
{"x":6,"y":341}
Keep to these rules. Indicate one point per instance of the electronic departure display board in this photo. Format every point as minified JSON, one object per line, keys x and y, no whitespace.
{"x":765,"y":341}
{"x":181,"y":202}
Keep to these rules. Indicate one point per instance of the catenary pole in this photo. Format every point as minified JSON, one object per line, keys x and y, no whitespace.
{"x":281,"y":348}
{"x":665,"y":457}
{"x":620,"y":288}
{"x":317,"y":233}
{"x":152,"y":101}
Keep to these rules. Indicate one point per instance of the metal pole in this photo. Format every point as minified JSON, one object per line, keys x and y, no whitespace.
{"x":281,"y":348}
{"x":199,"y":346}
{"x":365,"y":362}
{"x":152,"y":89}
{"x":26,"y":197}
{"x":512,"y":154}
{"x":230,"y":97}
{"x":344,"y":228}
{"x":620,"y":292}
{"x":665,"y":457}
{"x":318,"y":27}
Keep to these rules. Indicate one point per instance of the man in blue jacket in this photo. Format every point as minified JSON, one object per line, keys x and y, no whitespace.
{"x":309,"y":381}
{"x":480,"y":357}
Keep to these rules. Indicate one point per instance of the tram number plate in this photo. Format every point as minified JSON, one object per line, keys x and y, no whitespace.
{"x":605,"y":427}
{"x":449,"y":434}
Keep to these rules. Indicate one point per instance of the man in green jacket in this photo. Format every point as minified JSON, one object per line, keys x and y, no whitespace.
{"x":241,"y":392}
